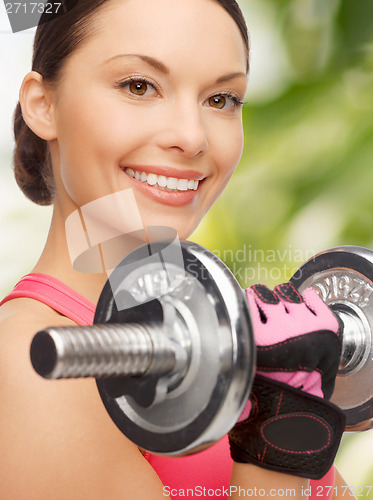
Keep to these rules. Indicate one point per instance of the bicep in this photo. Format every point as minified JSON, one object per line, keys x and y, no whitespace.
{"x":58,"y":441}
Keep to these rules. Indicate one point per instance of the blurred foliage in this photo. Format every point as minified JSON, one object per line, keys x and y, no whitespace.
{"x":305,"y":180}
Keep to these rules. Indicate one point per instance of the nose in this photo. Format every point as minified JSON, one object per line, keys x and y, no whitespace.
{"x":183,"y":130}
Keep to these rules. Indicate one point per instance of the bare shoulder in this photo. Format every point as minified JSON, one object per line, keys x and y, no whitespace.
{"x":57,"y":440}
{"x":20,"y":320}
{"x":341,"y":489}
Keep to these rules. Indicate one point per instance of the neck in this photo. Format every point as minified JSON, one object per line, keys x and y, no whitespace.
{"x":55,"y":261}
{"x":92,"y":264}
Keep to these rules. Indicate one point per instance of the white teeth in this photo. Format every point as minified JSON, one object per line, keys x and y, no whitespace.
{"x":193,"y":185}
{"x":172,"y":183}
{"x":162,"y":181}
{"x":152,"y":179}
{"x":182,"y":185}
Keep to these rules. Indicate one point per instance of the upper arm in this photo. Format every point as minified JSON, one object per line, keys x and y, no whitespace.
{"x":341,"y":489}
{"x":57,"y":440}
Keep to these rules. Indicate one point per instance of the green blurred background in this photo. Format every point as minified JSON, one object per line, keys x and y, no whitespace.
{"x":305,"y":180}
{"x":304,"y":183}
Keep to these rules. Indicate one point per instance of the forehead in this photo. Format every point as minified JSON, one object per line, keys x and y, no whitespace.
{"x":194,"y":33}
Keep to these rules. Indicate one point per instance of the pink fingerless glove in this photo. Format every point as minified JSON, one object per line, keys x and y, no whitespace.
{"x":290,"y":330}
{"x":288,"y":425}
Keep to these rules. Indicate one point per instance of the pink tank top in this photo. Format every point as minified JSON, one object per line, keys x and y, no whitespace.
{"x":205,"y":474}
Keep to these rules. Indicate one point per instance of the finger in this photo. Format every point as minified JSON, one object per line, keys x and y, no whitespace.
{"x":324,"y":316}
{"x":288,"y":293}
{"x":269,"y":317}
{"x":265,"y":294}
{"x":294,"y":305}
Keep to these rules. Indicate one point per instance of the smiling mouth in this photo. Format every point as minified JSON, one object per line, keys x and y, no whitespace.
{"x":170,"y":184}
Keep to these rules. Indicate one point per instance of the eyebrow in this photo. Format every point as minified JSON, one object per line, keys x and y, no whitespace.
{"x":155,"y":63}
{"x":231,"y":76}
{"x":148,"y":59}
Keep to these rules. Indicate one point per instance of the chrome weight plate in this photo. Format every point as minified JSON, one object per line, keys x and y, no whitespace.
{"x":343,"y":278}
{"x":200,"y":307}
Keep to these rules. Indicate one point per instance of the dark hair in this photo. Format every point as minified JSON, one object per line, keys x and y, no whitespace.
{"x":55,"y":40}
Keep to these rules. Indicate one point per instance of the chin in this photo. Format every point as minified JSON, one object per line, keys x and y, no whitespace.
{"x":184,"y":227}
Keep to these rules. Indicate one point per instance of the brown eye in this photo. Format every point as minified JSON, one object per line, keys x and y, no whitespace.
{"x":138,"y":88}
{"x":217,"y":101}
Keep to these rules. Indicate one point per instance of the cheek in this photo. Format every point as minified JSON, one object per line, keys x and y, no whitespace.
{"x":92,"y":130}
{"x":92,"y":140}
{"x":228,"y":146}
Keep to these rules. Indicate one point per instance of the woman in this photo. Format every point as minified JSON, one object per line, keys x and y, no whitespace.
{"x":119,"y":90}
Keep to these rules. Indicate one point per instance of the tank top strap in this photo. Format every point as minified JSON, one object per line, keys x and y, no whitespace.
{"x":55,"y":294}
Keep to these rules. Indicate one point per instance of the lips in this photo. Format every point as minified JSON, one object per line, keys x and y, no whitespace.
{"x":165,"y":185}
{"x":163,"y":182}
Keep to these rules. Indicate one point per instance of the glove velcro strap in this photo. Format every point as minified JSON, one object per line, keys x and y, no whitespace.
{"x":288,"y":430}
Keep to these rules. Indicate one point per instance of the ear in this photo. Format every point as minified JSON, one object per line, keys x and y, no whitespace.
{"x":37,"y":107}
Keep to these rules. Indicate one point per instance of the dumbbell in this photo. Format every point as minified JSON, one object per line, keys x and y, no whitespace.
{"x":343,"y":278}
{"x":173,"y":351}
{"x":171,"y":348}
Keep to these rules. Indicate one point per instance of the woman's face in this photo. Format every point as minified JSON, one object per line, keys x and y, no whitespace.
{"x":151,"y":102}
